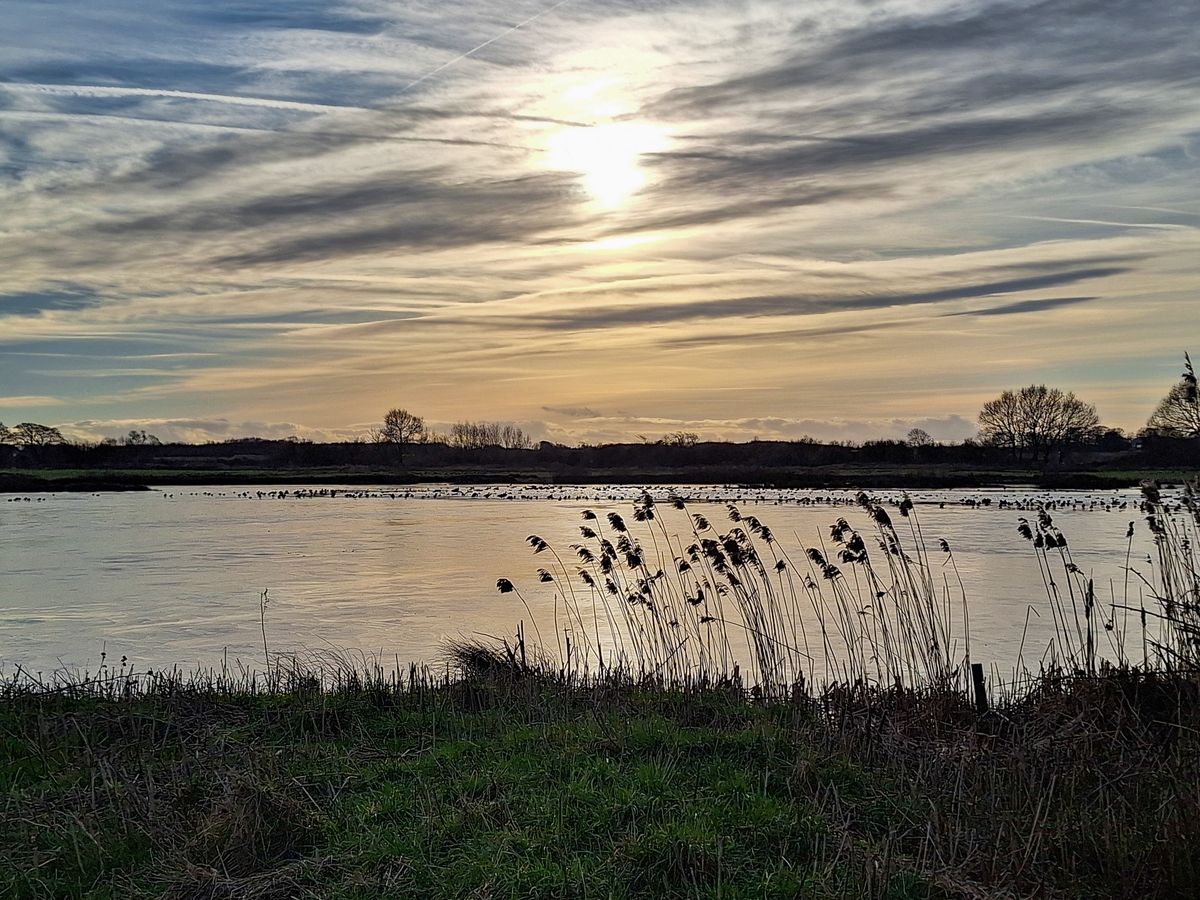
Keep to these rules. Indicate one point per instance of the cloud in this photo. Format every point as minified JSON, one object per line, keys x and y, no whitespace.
{"x":791,"y":304}
{"x":412,"y":215}
{"x":574,"y":412}
{"x":109,"y":91}
{"x":1024,"y":306}
{"x":772,"y":428}
{"x":32,"y":303}
{"x":198,"y":431}
{"x":279,"y":195}
{"x":1030,"y":49}
{"x":20,"y":402}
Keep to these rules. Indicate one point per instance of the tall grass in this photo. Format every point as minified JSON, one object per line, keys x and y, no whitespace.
{"x":670,"y":596}
{"x":1155,"y":622}
{"x":510,"y":776}
{"x":667,"y":595}
{"x":1082,"y":779}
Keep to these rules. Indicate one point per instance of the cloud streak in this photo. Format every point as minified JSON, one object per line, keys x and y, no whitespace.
{"x":798,"y":305}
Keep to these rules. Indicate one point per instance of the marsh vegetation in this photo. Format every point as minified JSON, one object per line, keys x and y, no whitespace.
{"x":637,"y":763}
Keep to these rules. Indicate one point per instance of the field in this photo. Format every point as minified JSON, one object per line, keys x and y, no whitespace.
{"x":510,"y":783}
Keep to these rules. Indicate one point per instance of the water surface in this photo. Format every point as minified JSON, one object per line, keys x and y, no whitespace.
{"x":174,"y":576}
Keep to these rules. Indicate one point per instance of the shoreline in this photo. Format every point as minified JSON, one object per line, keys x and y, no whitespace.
{"x":830,"y":477}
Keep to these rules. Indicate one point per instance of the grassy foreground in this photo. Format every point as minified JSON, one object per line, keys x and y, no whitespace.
{"x":510,"y":783}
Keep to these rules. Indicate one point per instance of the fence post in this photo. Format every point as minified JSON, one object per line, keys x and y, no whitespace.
{"x":981,"y":699}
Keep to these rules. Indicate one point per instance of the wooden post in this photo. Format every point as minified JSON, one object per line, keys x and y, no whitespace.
{"x":981,"y":699}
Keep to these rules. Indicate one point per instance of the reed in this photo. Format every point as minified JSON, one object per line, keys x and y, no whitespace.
{"x":1162,"y":592}
{"x":683,"y":600}
{"x":666,"y":595}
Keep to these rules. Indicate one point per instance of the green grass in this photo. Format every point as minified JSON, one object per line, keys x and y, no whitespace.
{"x":460,"y":792}
{"x":500,"y":786}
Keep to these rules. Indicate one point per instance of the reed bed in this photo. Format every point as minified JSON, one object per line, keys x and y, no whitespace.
{"x":1153,"y":622}
{"x":683,"y":600}
{"x":696,"y":602}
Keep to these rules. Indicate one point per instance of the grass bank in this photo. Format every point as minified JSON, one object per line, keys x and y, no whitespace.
{"x":509,"y":782}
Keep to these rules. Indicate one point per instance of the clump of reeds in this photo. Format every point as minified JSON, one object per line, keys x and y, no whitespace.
{"x":1175,"y":587}
{"x":691,"y":601}
{"x":1155,"y":621}
{"x":1075,"y":785}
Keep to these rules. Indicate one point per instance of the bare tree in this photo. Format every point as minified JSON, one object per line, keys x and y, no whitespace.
{"x":919,"y":437}
{"x":680,"y":439}
{"x":6,"y":435}
{"x":1037,"y":421}
{"x":478,"y":435}
{"x":401,"y":428}
{"x":513,"y":437}
{"x":1178,"y":415}
{"x":31,"y":434}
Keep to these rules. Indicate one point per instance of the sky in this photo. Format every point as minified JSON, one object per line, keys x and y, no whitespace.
{"x":596,"y":218}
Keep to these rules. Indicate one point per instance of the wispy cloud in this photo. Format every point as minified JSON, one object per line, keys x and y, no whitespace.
{"x":574,"y":412}
{"x":603,"y":429}
{"x":28,"y":401}
{"x":1023,"y":306}
{"x":198,"y":431}
{"x":799,"y":304}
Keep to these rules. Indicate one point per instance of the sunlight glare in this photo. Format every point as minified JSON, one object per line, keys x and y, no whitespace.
{"x":607,"y":156}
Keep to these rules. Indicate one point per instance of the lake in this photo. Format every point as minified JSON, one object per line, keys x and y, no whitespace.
{"x":173,"y":577}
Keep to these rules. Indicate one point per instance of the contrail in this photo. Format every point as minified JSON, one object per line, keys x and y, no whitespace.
{"x":474,"y":50}
{"x":1162,"y":225}
{"x":95,"y":90}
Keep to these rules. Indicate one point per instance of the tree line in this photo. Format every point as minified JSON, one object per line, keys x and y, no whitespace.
{"x":31,"y":434}
{"x":1036,"y":424}
{"x":401,"y":428}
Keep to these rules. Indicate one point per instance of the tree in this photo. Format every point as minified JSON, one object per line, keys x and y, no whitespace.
{"x":1112,"y":440}
{"x":919,"y":437}
{"x":6,"y":435}
{"x":680,"y":439}
{"x":1178,"y":415}
{"x":401,"y":428}
{"x":1037,"y":421}
{"x":478,"y":435}
{"x":31,"y":434}
{"x":137,"y":438}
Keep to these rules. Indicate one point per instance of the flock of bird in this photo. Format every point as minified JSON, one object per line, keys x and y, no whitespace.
{"x":1013,"y":499}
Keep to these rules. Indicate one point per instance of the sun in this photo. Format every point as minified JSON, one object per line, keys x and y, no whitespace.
{"x":607,"y":157}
